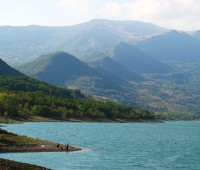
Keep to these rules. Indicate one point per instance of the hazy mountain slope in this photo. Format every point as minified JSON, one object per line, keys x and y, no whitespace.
{"x":117,"y":69}
{"x":24,"y":43}
{"x":196,"y":35}
{"x":13,"y":80}
{"x":153,"y":94}
{"x":136,"y":60}
{"x":62,"y":69}
{"x":177,"y":46}
{"x":6,"y":70}
{"x":56,"y":68}
{"x":101,"y":34}
{"x":24,"y":98}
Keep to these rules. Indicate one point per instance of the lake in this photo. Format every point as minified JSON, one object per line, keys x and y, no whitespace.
{"x":170,"y":145}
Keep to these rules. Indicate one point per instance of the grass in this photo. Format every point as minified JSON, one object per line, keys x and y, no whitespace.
{"x":11,"y":139}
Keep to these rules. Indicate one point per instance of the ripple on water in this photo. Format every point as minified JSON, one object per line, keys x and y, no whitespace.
{"x":171,"y":145}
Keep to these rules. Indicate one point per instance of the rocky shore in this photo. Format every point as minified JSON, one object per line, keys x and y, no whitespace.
{"x":10,"y":142}
{"x":39,"y":147}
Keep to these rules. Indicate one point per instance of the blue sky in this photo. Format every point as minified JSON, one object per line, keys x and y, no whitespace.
{"x":174,"y":14}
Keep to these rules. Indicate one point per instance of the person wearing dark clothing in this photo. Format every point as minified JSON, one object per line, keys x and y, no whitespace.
{"x":67,"y":147}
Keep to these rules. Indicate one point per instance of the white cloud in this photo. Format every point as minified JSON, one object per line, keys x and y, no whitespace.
{"x":77,"y":5}
{"x":112,"y":9}
{"x":177,"y":14}
{"x":76,"y":11}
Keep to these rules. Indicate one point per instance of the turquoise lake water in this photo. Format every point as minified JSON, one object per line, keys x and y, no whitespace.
{"x":170,"y":145}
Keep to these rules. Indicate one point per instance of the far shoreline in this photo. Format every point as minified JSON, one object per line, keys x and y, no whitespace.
{"x":74,"y":120}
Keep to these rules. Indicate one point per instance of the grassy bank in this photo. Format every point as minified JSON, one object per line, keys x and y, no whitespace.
{"x":10,"y":142}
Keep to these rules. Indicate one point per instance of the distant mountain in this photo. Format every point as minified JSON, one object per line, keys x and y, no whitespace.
{"x":196,"y":35}
{"x":21,"y":44}
{"x":6,"y":70}
{"x":136,"y":60}
{"x":158,"y":92}
{"x":13,"y":80}
{"x":56,"y":68}
{"x":101,"y":34}
{"x":63,"y":69}
{"x":112,"y":66}
{"x":24,"y":98}
{"x":173,"y":45}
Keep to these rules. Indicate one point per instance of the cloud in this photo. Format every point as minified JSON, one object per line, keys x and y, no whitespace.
{"x":77,"y":11}
{"x":76,"y":5}
{"x":177,"y":14}
{"x":180,"y":14}
{"x":112,"y":9}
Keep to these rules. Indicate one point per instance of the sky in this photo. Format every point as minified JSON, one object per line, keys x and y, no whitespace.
{"x":173,"y":14}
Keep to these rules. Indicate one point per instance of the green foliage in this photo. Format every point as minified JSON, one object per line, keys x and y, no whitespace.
{"x":28,"y":84}
{"x":12,"y":139}
{"x":26,"y":104}
{"x":24,"y":97}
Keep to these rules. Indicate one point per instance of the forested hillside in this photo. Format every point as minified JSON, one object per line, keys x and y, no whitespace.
{"x":22,"y":97}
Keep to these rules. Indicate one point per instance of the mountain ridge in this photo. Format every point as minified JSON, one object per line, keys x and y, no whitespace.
{"x":54,"y":68}
{"x":25,"y":43}
{"x":63,"y":69}
{"x":173,"y":45}
{"x":136,"y":60}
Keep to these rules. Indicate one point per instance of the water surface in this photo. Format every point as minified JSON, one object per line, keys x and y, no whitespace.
{"x":170,"y":145}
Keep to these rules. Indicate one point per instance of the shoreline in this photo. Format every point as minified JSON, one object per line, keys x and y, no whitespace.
{"x":86,"y":120}
{"x":13,"y":143}
{"x":43,"y":147}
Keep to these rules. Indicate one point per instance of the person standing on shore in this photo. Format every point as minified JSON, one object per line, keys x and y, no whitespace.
{"x":67,"y":147}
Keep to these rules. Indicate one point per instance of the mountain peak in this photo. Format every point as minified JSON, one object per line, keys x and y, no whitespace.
{"x":59,"y":65}
{"x":173,"y":45}
{"x":176,"y":34}
{"x":56,"y":55}
{"x":136,"y":60}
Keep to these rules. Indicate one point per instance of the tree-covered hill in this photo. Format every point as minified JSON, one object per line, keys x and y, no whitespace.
{"x":108,"y":79}
{"x":24,"y":105}
{"x":22,"y":97}
{"x":28,"y":84}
